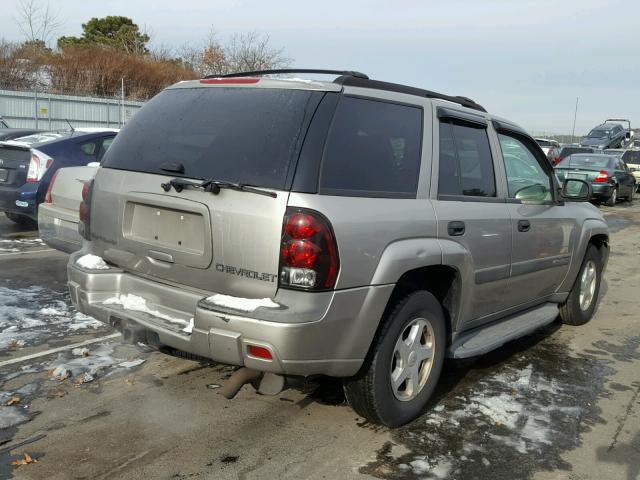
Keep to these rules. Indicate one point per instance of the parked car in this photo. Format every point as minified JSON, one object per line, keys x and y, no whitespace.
{"x":631,"y":157}
{"x":28,"y":164}
{"x":570,"y":149}
{"x":606,"y":135}
{"x":58,"y":215}
{"x":8,"y":133}
{"x":367,"y":250}
{"x":609,"y":176}
{"x":14,"y":133}
{"x":547,"y":145}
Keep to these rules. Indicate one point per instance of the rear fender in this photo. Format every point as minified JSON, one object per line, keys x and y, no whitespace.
{"x":405,"y":255}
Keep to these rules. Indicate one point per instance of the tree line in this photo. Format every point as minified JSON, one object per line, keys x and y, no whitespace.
{"x":114,"y":48}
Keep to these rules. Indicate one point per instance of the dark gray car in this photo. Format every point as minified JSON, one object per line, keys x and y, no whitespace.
{"x":353,"y":228}
{"x":606,"y":135}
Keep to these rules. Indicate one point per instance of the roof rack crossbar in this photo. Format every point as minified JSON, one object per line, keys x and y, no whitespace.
{"x":281,"y":71}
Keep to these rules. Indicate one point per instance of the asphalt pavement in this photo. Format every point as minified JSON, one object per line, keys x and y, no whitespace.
{"x":562,"y":403}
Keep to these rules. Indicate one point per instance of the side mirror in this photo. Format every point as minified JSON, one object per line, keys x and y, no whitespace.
{"x":576,"y":190}
{"x":533,"y":193}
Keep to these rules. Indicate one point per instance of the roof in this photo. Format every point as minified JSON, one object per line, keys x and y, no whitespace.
{"x":344,"y":78}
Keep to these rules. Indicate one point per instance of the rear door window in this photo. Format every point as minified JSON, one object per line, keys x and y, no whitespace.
{"x":373,"y":149}
{"x":234,"y":134}
{"x":89,"y":150}
{"x":466,"y":164}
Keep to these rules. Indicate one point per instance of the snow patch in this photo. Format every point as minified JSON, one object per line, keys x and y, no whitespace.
{"x":189,"y":328}
{"x":12,"y":416}
{"x":139,"y":304}
{"x":243,"y":304}
{"x":92,"y":262}
{"x":132,"y":363}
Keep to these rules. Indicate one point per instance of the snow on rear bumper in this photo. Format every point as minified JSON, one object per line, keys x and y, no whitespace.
{"x":311,"y":333}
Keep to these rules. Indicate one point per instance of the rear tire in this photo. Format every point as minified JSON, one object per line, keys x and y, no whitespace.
{"x":22,"y":220}
{"x":583,"y":298}
{"x":404,"y":364}
{"x":611,"y":201}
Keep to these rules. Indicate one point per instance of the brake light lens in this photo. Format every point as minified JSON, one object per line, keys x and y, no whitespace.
{"x":602,"y":177}
{"x":308,"y":251}
{"x":38,"y":166}
{"x":557,"y":160}
{"x":47,"y":197}
{"x":84,"y":226}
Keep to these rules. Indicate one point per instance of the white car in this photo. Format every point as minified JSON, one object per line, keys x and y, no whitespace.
{"x":58,"y":215}
{"x":547,"y":144}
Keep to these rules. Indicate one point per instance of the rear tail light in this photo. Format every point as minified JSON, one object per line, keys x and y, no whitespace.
{"x":557,"y":160}
{"x":602,"y":177}
{"x":84,"y":226}
{"x":308,"y":251}
{"x":38,"y":165}
{"x":47,"y":197}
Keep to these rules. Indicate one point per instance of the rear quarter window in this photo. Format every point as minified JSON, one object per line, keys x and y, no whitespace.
{"x":373,"y":149}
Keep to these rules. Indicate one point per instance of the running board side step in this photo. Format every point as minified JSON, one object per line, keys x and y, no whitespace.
{"x":484,"y":339}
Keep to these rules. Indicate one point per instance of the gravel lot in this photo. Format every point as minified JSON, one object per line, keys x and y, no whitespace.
{"x":563,"y":403}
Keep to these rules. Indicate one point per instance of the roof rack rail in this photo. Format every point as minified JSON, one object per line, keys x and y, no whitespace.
{"x":396,"y":87}
{"x":349,"y":73}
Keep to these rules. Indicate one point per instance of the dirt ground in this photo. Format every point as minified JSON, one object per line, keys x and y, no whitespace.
{"x":563,"y":403}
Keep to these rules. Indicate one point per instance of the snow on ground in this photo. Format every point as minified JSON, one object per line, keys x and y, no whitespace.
{"x":92,"y":262}
{"x":76,"y":367}
{"x":19,"y":244}
{"x":524,"y":409}
{"x":243,"y":304}
{"x":32,"y":315}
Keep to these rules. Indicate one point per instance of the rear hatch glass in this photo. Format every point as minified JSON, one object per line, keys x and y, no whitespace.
{"x":586,"y":162}
{"x":243,"y":135}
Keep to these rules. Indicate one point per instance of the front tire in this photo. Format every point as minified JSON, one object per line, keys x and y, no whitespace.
{"x":404,"y":364}
{"x":583,"y":298}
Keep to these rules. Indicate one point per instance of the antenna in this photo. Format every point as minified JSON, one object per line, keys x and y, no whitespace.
{"x":70,"y":126}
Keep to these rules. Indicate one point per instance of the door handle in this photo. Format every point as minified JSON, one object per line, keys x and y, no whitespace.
{"x":455,"y":229}
{"x":524,"y":225}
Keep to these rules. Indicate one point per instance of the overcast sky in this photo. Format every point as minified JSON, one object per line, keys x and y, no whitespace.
{"x":526,"y":60}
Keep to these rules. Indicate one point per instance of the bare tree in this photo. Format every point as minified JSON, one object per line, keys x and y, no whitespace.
{"x":252,"y":51}
{"x":37,"y":21}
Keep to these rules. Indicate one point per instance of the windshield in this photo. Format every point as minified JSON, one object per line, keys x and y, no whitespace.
{"x":243,"y":135}
{"x":599,"y":133}
{"x":587,"y":162}
{"x":543,"y":143}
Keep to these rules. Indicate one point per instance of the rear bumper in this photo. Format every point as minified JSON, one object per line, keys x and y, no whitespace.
{"x":601,"y":190}
{"x":21,"y":200}
{"x":325,"y":333}
{"x":59,"y":228}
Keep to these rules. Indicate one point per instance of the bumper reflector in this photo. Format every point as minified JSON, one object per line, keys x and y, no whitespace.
{"x":259,"y":352}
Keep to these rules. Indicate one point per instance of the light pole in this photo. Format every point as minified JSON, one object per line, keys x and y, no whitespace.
{"x":575,"y":114}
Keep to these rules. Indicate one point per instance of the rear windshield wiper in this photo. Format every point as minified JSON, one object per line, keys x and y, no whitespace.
{"x":214,"y":186}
